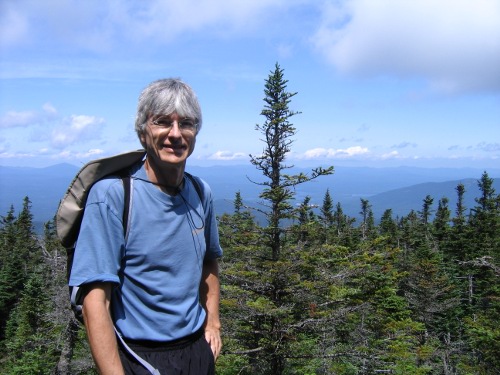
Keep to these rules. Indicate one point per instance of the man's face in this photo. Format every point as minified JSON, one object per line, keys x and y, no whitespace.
{"x":169,"y":139}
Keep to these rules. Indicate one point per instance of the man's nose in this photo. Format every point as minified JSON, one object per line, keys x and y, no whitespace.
{"x":175,"y":130}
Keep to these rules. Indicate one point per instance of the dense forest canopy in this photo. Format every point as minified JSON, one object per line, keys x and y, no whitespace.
{"x":323,"y":294}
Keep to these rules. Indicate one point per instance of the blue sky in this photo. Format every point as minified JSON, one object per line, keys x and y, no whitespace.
{"x":379,"y":82}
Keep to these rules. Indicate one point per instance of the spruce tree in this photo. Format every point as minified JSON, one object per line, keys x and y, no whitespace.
{"x":482,"y":269}
{"x":441,"y":223}
{"x":305,"y":214}
{"x":326,"y":217}
{"x":265,"y":282}
{"x":388,"y":228}
{"x":345,"y":234}
{"x":30,"y":343}
{"x":327,"y":210}
{"x":426,"y":209}
{"x":367,"y":221}
{"x":7,"y":292}
{"x":277,"y":132}
{"x":20,"y":253}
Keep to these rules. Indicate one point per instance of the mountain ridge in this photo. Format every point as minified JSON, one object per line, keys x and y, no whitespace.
{"x":399,"y":188}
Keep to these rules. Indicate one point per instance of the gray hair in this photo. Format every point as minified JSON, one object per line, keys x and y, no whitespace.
{"x":164,"y":97}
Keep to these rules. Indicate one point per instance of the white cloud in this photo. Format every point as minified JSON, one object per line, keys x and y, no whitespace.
{"x":48,"y":127}
{"x":16,"y":155}
{"x":454,"y":44}
{"x":78,"y":128}
{"x":46,"y":156}
{"x":70,"y":155}
{"x":227,"y":155}
{"x":332,"y":153}
{"x":13,"y":119}
{"x":390,"y":155}
{"x":49,"y":109}
{"x":97,"y":25}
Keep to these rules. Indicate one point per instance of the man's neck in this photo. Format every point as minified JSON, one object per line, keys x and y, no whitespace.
{"x":169,"y":179}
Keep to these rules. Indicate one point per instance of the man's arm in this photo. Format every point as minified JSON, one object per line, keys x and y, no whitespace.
{"x":100,"y":331}
{"x":210,"y":296}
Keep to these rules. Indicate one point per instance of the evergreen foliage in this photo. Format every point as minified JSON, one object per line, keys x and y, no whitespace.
{"x":34,"y":302}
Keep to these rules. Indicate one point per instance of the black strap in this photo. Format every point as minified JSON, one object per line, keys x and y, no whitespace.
{"x":126,"y":180}
{"x":126,"y":202}
{"x":196,"y":186}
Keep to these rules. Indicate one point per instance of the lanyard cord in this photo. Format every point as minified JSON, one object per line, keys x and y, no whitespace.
{"x":189,"y":207}
{"x":191,"y":220}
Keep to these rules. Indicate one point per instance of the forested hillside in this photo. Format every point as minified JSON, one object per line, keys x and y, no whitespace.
{"x":407,"y":296}
{"x":325,"y":294}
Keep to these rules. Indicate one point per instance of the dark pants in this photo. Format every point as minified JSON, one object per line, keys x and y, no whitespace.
{"x":187,"y":356}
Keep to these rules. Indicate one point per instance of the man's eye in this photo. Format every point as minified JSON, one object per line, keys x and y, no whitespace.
{"x":163,"y":122}
{"x":187,"y":124}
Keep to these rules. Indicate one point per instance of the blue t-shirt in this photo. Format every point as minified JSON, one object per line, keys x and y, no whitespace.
{"x":157,"y":269}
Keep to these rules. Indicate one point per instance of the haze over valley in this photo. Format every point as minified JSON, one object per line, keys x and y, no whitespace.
{"x":400,"y":189}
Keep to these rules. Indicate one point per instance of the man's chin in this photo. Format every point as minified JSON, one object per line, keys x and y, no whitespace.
{"x":173,"y":159}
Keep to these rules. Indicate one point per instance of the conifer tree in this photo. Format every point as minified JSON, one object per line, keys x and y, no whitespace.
{"x":265,"y":283}
{"x":304,"y":215}
{"x":343,"y":226}
{"x":458,"y":248}
{"x":21,"y":251}
{"x":29,"y":340}
{"x":483,"y":269}
{"x":7,"y":292}
{"x":304,"y":211}
{"x":389,"y":227}
{"x":441,"y":222}
{"x":460,"y":210}
{"x":484,"y":219}
{"x":326,"y":217}
{"x":277,"y":132}
{"x":426,"y":209}
{"x":367,"y":221}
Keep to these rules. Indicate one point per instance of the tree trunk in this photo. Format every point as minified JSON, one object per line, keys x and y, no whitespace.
{"x":70,"y":336}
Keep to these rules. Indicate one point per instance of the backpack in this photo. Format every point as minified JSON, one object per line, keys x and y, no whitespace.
{"x":70,"y":212}
{"x":71,"y":208}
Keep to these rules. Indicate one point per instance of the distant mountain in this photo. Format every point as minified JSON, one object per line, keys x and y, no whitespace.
{"x":44,"y":186}
{"x":403,"y":200}
{"x":401,"y":189}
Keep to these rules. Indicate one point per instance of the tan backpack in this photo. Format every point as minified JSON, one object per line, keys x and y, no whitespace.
{"x":70,"y":212}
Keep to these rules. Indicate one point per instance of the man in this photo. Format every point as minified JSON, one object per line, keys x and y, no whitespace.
{"x":158,"y":284}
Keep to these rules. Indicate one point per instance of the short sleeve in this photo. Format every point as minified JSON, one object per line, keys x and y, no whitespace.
{"x":100,"y":245}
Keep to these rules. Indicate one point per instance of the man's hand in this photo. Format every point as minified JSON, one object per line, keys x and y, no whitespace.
{"x":100,"y":331}
{"x":213,"y":338}
{"x":210,"y":295}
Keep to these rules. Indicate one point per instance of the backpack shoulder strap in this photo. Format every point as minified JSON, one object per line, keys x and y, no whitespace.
{"x":197,"y":186}
{"x":126,"y":201}
{"x":201,"y":194}
{"x":127,"y":204}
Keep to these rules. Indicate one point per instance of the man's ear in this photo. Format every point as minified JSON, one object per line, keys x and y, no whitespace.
{"x":142,"y":139}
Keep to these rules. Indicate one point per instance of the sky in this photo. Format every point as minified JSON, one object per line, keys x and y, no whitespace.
{"x":379,"y":83}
